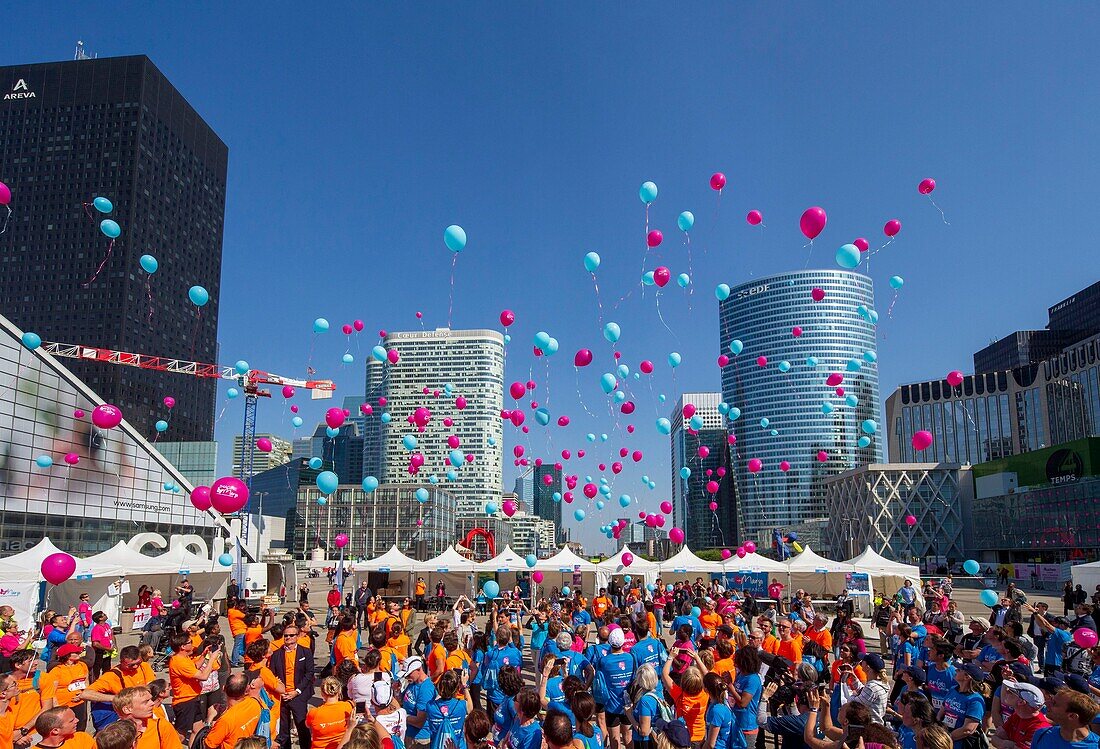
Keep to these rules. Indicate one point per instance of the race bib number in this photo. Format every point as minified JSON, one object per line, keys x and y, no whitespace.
{"x":78,"y":686}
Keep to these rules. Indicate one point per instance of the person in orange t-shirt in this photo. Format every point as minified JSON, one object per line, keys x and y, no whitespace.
{"x":710,"y":619}
{"x":328,"y":722}
{"x":186,"y":675}
{"x":18,"y":721}
{"x":57,"y":726}
{"x":345,"y":644}
{"x":600,"y":605}
{"x":790,"y":647}
{"x":820,"y":634}
{"x":237,"y":629}
{"x":437,"y":654}
{"x":421,"y":591}
{"x":256,"y":659}
{"x":689,"y":696}
{"x":399,"y":641}
{"x":135,"y":704}
{"x":63,"y":684}
{"x":406,"y":614}
{"x":723,"y":664}
{"x":242,"y":716}
{"x":131,"y":671}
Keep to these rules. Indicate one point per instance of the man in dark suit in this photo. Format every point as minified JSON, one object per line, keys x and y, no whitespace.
{"x":1036,"y":632}
{"x":293,"y":665}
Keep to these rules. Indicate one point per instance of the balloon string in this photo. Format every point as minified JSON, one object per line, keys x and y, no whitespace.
{"x":691,"y":273}
{"x":6,"y":219}
{"x":195,"y":332}
{"x":662,"y":318}
{"x":451,"y":301}
{"x":809,"y":254}
{"x":929,"y":196}
{"x":87,"y":212}
{"x":599,"y":303}
{"x":102,"y":263}
{"x":149,"y":298}
{"x":880,"y":249}
{"x":890,"y":311}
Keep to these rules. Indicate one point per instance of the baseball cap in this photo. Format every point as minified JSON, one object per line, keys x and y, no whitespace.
{"x":917,"y":673}
{"x":972,"y":670}
{"x":874,"y":660}
{"x":410,"y":665}
{"x":616,"y":638}
{"x":1048,"y":684}
{"x":1077,"y":683}
{"x":65,"y":650}
{"x":190,"y":623}
{"x":981,"y":622}
{"x":381,"y":693}
{"x":1021,"y":670}
{"x":1029,"y":693}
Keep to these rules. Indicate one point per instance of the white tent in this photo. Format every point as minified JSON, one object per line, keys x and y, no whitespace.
{"x":26,"y":566}
{"x":810,"y":561}
{"x":392,"y":561}
{"x":1086,"y":575}
{"x":614,"y":566}
{"x":565,"y":561}
{"x":684,"y":562}
{"x":506,"y":561}
{"x":458,"y":573}
{"x":754,"y":563}
{"x":886,"y":575}
{"x":820,"y":577}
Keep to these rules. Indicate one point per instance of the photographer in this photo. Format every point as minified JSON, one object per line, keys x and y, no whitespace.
{"x":854,"y":718}
{"x":790,"y":709}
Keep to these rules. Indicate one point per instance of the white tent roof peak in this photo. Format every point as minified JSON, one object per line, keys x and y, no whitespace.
{"x":565,"y":560}
{"x":449,"y":561}
{"x":392,"y":561}
{"x":810,"y":561}
{"x":753,"y":563}
{"x":873,"y":562}
{"x":506,"y":561}
{"x":615,"y":565}
{"x":685,"y":561}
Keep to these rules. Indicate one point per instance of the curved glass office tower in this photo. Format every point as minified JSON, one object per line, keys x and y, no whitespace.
{"x":762,"y":315}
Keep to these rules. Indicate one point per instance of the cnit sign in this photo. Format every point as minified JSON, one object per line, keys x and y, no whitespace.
{"x":20,"y":91}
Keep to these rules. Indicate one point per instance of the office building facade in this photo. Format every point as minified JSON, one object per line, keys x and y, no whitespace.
{"x":997,"y":414}
{"x":117,"y":486}
{"x":868,"y":507}
{"x":197,"y":461}
{"x":115,"y":128}
{"x":703,"y":527}
{"x":545,"y":484}
{"x":281,"y":452}
{"x":470,"y":363}
{"x":837,"y":337}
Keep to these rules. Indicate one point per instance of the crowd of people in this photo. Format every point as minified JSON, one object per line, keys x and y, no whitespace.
{"x":649,"y":667}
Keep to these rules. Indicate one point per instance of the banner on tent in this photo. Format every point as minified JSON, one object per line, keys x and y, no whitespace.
{"x":753,"y":583}
{"x":23,"y":597}
{"x":857,"y":582}
{"x":141,"y":618}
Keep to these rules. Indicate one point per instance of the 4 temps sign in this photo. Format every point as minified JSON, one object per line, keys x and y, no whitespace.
{"x":20,"y":91}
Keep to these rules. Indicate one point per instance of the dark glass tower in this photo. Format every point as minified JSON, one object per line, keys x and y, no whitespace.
{"x":542,"y":500}
{"x":116,"y":128}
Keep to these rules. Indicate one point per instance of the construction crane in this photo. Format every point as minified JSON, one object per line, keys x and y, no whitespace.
{"x":250,"y":382}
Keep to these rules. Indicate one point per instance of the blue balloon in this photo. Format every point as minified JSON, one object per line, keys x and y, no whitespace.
{"x":863,"y":441}
{"x":648,"y":278}
{"x":896,"y":282}
{"x":870,"y":357}
{"x":722,"y":291}
{"x":811,"y":361}
{"x":764,"y":423}
{"x":530,"y":560}
{"x":452,"y":476}
{"x":542,"y":416}
{"x":608,"y":383}
{"x":421,"y":495}
{"x":409,"y":442}
{"x":232,"y":393}
{"x":611,"y":332}
{"x":198,"y":296}
{"x":322,"y":501}
{"x":869,"y":426}
{"x":590,"y":437}
{"x":454,"y":236}
{"x":43,"y":461}
{"x":315,"y":463}
{"x":863,"y":311}
{"x":578,"y":514}
{"x":492,"y":441}
{"x":491,"y":589}
{"x":599,"y":504}
{"x":168,"y":486}
{"x":647,"y":192}
{"x":31,"y":340}
{"x":853,"y":365}
{"x":327,"y":482}
{"x":661,"y":397}
{"x":320,"y":325}
{"x":565,"y":590}
{"x":370,"y":483}
{"x":774,"y":432}
{"x":624,"y":500}
{"x":379,"y":353}
{"x":161,"y":426}
{"x":736,"y":347}
{"x":664,"y":426}
{"x":971,"y":567}
{"x":784,"y":366}
{"x":103,"y":205}
{"x":626,"y":578}
{"x":990,"y":597}
{"x":619,"y":396}
{"x":332,"y":433}
{"x":225,"y":560}
{"x":827,"y":408}
{"x":110,"y":228}
{"x":685,"y":220}
{"x":683,"y":280}
{"x":695,"y":611}
{"x":685,"y":473}
{"x":347,"y":359}
{"x":490,"y":508}
{"x":455,"y":458}
{"x":605,"y":490}
{"x":696,"y":422}
{"x":296,"y":421}
{"x":556,"y":496}
{"x":735,"y":413}
{"x":241,"y":367}
{"x":148,"y":263}
{"x":723,"y":408}
{"x":674,"y":359}
{"x":851,"y":401}
{"x":542,"y":340}
{"x":507,"y":338}
{"x":591,"y":262}
{"x":551,"y":347}
{"x":848,"y":256}
{"x":873,"y":316}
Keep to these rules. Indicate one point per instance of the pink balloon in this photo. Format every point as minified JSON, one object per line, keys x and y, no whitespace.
{"x":922,"y":440}
{"x":507,"y":317}
{"x":1085,"y":637}
{"x":666,"y":507}
{"x":754,"y":217}
{"x":954,"y":378}
{"x":169,"y":402}
{"x":926,"y":186}
{"x":72,"y":458}
{"x":703,"y":451}
{"x":646,"y":367}
{"x":228,"y":495}
{"x":590,"y":490}
{"x":840,"y":392}
{"x":726,"y":554}
{"x":460,"y":403}
{"x":660,"y":521}
{"x":741,"y":553}
{"x":531,"y":385}
{"x":676,"y":535}
{"x":822,"y":456}
{"x":566,"y":455}
{"x":509,"y":507}
{"x":813,"y":221}
{"x":288,"y":391}
{"x":721,"y":471}
{"x":582,"y":358}
{"x":58,"y":567}
{"x":518,"y":451}
{"x":862,"y":244}
{"x":264,"y":444}
{"x":784,"y":466}
{"x":106,"y":416}
{"x":750,"y":546}
{"x":654,"y":238}
{"x":616,"y":467}
{"x":892,"y":227}
{"x":630,"y":429}
{"x":689,"y":410}
{"x":78,"y":414}
{"x":662,"y":275}
{"x":563,"y":421}
{"x":567,"y":497}
{"x":294,"y":409}
{"x":580,"y":453}
{"x":393,"y":356}
{"x":358,"y":325}
{"x":341,"y":540}
{"x":713,"y":506}
{"x":627,"y":407}
{"x":536,"y":576}
{"x":796,"y":331}
{"x":5,"y":194}
{"x":200,"y":497}
{"x":712,"y":487}
{"x":628,"y":559}
{"x":910,"y":520}
{"x":834,"y":379}
{"x":334,"y":417}
{"x":717,"y":181}
{"x":723,"y":360}
{"x":731,"y":439}
{"x":382,"y":402}
{"x":636,"y":456}
{"x":761,"y":361}
{"x":421,"y":417}
{"x":517,"y":390}
{"x":419,"y":315}
{"x":817,"y":294}
{"x":453,"y":441}
{"x":346,"y":329}
{"x":755,"y":465}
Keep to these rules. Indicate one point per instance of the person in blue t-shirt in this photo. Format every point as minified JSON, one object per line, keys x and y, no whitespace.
{"x":415,"y":699}
{"x":964,"y":707}
{"x":940,"y":674}
{"x":721,"y":727}
{"x":446,"y":715}
{"x":504,"y":716}
{"x":526,"y":732}
{"x":649,"y":650}
{"x":616,"y":669}
{"x":585,"y":728}
{"x":1072,"y":714}
{"x":504,"y":654}
{"x":1058,"y":636}
{"x":540,"y":628}
{"x":746,"y":691}
{"x":550,"y":682}
{"x":580,"y":616}
{"x":61,"y":626}
{"x":646,"y":708}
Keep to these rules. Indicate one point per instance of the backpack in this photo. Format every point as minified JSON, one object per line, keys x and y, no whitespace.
{"x":1077,"y":660}
{"x":445,"y":737}
{"x":668,"y":732}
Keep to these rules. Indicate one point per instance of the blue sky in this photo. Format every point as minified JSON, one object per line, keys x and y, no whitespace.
{"x":357,"y":134}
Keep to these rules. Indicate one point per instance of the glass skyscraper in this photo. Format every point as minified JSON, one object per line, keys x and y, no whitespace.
{"x":703,"y":528}
{"x":835,"y":338}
